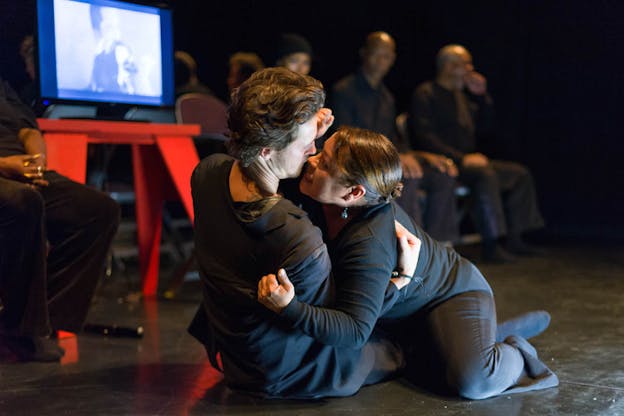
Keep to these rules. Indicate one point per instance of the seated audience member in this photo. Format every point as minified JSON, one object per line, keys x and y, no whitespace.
{"x":242,"y":65}
{"x":443,"y":315}
{"x":54,"y":238}
{"x":363,"y":100}
{"x":186,"y":80}
{"x":295,"y":53}
{"x":446,"y":116}
{"x":244,"y":229}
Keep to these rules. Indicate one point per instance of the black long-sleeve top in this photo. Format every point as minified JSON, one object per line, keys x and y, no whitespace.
{"x":364,"y":254}
{"x":14,"y":116}
{"x":354,"y":102}
{"x":433,"y":121}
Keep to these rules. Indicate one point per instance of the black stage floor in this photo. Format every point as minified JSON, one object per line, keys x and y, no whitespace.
{"x":165,"y":372}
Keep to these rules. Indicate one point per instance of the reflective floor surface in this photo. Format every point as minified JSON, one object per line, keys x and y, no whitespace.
{"x":166,"y":373}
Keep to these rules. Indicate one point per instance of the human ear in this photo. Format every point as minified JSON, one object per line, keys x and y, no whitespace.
{"x":265,"y":153}
{"x":357,"y":192}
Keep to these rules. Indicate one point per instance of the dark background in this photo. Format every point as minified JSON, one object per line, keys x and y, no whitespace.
{"x":554,"y":68}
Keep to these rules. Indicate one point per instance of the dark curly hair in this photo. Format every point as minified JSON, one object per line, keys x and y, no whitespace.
{"x":267,"y":109}
{"x":363,"y":157}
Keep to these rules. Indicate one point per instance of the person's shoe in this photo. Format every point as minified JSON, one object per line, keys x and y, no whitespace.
{"x":33,"y":348}
{"x":46,"y":349}
{"x":497,"y":255}
{"x":528,"y":325}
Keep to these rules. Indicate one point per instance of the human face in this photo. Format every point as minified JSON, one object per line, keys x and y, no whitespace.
{"x":378,"y":58}
{"x":298,"y":62}
{"x":319,"y":181}
{"x":287,"y":163}
{"x":110,"y":25}
{"x":461,"y":65}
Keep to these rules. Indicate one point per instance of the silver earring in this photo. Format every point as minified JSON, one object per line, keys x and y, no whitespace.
{"x":345,"y":214}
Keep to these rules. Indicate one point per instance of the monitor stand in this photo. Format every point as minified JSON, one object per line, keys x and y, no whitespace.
{"x":56,"y":111}
{"x":112,"y":112}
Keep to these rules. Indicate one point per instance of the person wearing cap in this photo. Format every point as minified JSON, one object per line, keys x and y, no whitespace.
{"x":295,"y":53}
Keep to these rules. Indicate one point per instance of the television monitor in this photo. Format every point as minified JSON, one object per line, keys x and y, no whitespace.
{"x":105,"y":52}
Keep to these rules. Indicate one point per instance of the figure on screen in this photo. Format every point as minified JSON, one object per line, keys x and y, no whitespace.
{"x":114,"y":66}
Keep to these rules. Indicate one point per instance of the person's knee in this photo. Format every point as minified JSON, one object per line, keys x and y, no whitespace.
{"x":108,"y":213}
{"x":488,"y":375}
{"x":477,"y":378}
{"x":474,"y":386}
{"x":487,"y":175}
{"x":515,"y":167}
{"x":101,"y":211}
{"x":476,"y":390}
{"x":482,"y":181}
{"x":23,"y":203}
{"x":520,"y":172}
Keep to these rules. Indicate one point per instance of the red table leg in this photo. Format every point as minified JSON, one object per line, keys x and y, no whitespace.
{"x":149,"y":176}
{"x":156,"y":149}
{"x":180,"y":157}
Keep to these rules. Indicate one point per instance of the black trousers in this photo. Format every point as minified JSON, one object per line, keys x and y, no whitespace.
{"x":53,"y":244}
{"x":439,"y":216}
{"x":452,"y":348}
{"x":504,"y":198}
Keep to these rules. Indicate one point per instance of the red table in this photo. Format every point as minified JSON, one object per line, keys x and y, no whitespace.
{"x":163,"y":158}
